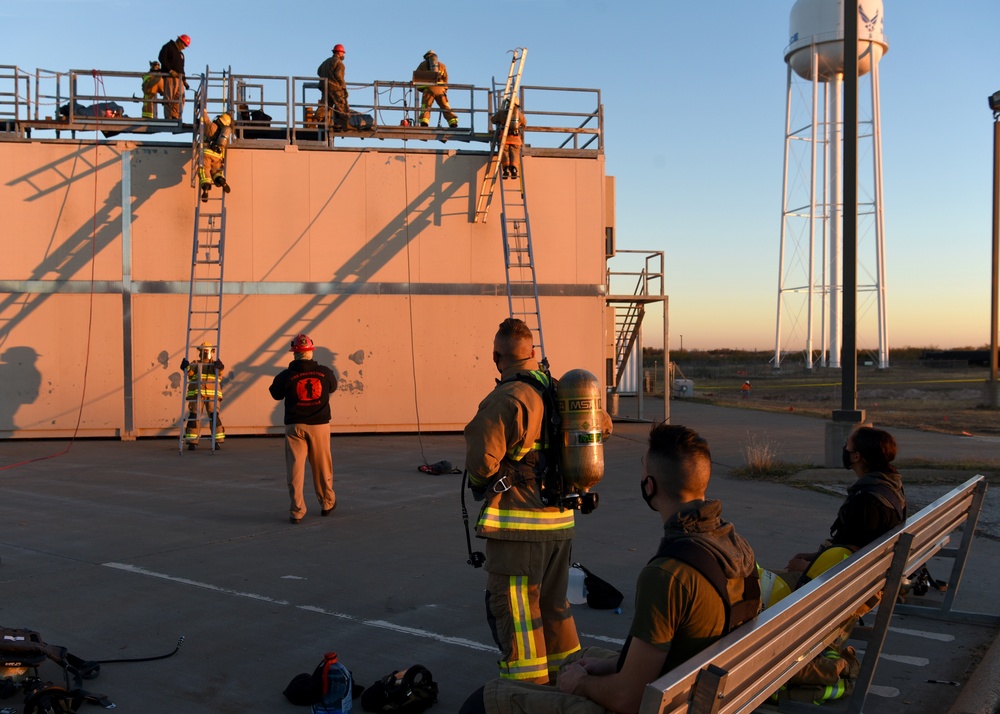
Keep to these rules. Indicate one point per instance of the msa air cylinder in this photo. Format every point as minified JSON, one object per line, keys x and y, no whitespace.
{"x":578,"y":394}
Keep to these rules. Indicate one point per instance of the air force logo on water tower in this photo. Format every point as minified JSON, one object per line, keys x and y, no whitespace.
{"x":870,"y":22}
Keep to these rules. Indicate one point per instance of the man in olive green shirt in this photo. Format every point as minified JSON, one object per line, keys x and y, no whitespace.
{"x":678,"y":612}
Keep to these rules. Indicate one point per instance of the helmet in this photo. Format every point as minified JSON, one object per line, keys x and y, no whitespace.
{"x":302,"y":343}
{"x":225,"y":119}
{"x":430,"y":53}
{"x":339,"y":48}
{"x":206,"y":352}
{"x":186,"y":39}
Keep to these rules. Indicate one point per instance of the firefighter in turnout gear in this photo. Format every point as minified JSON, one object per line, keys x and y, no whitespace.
{"x":438,"y":92}
{"x":214,"y":142}
{"x":510,"y":156}
{"x":528,"y":544}
{"x":152,"y":86}
{"x":204,"y":388}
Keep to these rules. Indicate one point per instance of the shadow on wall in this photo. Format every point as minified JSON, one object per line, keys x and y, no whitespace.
{"x":97,"y":231}
{"x":23,"y":382}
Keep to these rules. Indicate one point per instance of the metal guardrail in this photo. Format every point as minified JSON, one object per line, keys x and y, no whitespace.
{"x":559,"y":118}
{"x":740,"y":671}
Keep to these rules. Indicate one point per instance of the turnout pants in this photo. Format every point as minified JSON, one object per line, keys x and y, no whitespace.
{"x":308,"y":442}
{"x":527,"y":609}
{"x":439,"y":95}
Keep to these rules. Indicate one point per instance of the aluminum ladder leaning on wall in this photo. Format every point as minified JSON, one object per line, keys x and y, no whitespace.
{"x":204,"y":321}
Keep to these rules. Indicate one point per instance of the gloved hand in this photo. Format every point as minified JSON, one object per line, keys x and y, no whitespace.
{"x":174,"y":73}
{"x":219,"y":366}
{"x":184,"y":363}
{"x":186,"y":85}
{"x":478,"y":492}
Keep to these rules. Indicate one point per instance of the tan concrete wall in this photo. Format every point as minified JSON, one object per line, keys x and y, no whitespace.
{"x":371,"y":253}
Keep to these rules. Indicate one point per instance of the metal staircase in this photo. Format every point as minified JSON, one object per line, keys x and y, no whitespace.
{"x":204,"y":321}
{"x":510,"y":90}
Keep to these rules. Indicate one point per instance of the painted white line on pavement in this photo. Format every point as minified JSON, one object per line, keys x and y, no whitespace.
{"x":885,"y":692}
{"x":904,"y":659}
{"x":381,"y":624}
{"x":922,"y":633}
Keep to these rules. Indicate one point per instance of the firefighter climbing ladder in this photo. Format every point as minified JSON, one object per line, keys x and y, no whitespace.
{"x":204,"y":321}
{"x":519,"y":257}
{"x":510,"y":90}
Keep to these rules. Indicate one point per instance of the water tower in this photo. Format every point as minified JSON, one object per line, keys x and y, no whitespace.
{"x":809,"y":263}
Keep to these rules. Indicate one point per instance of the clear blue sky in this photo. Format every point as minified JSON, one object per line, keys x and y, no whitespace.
{"x":694,"y":103}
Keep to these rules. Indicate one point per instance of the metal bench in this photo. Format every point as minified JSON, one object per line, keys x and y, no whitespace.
{"x":742,"y":670}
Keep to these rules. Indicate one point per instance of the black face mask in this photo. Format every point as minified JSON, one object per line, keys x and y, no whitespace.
{"x":845,"y":455}
{"x":642,"y":489}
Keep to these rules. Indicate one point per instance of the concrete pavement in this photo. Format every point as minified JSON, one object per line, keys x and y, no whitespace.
{"x":115,"y":549}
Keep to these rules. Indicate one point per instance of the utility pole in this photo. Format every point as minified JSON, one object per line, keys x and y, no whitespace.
{"x":992,"y":387}
{"x":848,"y":416}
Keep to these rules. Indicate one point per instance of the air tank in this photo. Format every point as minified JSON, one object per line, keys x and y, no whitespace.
{"x":578,"y":394}
{"x":820,"y":24}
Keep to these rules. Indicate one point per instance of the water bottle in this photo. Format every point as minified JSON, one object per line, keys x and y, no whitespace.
{"x":337,"y":687}
{"x":576,"y":591}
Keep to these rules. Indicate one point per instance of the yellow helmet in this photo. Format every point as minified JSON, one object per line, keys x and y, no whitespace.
{"x":225,"y":119}
{"x":206,"y":352}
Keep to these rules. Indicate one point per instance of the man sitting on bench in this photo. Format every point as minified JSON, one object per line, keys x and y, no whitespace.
{"x":679,"y":609}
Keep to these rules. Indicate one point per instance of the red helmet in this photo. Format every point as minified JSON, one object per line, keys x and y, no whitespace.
{"x":339,"y":48}
{"x":302,"y":343}
{"x":185,"y":39}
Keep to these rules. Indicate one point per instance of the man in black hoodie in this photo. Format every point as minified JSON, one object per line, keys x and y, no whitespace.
{"x":306,"y":387}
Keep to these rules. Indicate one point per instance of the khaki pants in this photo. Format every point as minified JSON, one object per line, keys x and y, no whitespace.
{"x":308,"y":442}
{"x":173,"y":93}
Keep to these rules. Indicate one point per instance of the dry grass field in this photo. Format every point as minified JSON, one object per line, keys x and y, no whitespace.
{"x":908,"y":394}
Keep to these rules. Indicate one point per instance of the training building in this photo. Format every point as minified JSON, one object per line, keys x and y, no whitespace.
{"x":397,"y":248}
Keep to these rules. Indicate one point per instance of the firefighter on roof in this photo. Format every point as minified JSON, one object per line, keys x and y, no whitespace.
{"x":172,"y":62}
{"x":214,"y":143}
{"x":435,"y":92}
{"x":204,"y":388}
{"x":152,"y":85}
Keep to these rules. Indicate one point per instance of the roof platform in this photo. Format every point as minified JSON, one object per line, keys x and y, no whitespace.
{"x":281,"y":111}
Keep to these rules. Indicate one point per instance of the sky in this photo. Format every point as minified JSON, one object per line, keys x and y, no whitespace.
{"x":694,"y":106}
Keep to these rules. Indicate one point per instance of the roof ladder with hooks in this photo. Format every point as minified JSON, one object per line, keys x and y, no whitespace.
{"x":510,"y":90}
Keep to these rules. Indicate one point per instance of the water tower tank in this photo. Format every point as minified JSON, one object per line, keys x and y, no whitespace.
{"x":820,"y":23}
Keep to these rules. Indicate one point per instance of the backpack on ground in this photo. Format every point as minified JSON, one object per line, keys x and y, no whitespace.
{"x":409,"y":691}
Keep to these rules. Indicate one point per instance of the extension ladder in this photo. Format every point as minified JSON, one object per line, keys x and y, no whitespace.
{"x":499,"y":140}
{"x":519,"y":259}
{"x":204,"y":321}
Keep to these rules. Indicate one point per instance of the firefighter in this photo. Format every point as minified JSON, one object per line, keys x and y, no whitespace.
{"x":435,"y":92}
{"x":510,"y":157}
{"x":204,"y":388}
{"x":214,"y":143}
{"x":172,"y":62}
{"x":335,"y":88}
{"x":152,"y":85}
{"x":528,"y":544}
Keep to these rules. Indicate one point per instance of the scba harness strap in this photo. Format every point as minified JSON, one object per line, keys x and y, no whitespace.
{"x":409,"y":691}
